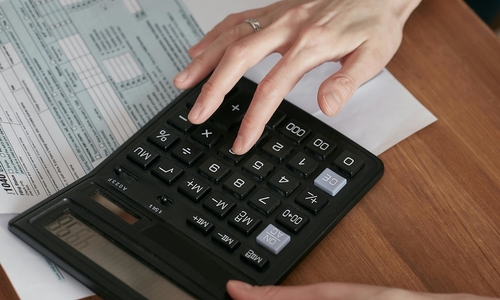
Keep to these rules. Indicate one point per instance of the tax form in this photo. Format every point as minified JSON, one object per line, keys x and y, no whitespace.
{"x":77,"y":78}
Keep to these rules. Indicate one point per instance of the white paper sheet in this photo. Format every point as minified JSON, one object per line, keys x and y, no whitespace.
{"x":380,"y":114}
{"x":33,"y":276}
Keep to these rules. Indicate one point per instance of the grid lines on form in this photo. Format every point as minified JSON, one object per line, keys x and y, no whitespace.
{"x":98,"y":87}
{"x":122,"y":68}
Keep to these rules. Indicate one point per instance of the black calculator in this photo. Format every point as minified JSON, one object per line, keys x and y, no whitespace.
{"x":173,"y":213}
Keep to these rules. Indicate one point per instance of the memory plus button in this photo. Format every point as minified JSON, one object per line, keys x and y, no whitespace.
{"x":142,"y":155}
{"x":194,"y":188}
{"x":200,"y":223}
{"x":225,"y":240}
{"x":254,"y":258}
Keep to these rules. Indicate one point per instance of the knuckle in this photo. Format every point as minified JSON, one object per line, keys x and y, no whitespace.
{"x":231,"y":34}
{"x":238,"y":50}
{"x":266,"y":89}
{"x":209,"y":89}
{"x":296,"y":14}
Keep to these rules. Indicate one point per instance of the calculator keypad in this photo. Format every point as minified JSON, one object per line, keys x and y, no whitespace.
{"x":254,"y":206}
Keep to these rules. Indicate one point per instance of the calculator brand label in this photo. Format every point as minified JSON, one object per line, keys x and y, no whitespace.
{"x":117,"y":184}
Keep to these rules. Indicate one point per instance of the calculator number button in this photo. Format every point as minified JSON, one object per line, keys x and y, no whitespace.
{"x":238,"y":185}
{"x":258,"y":167}
{"x":219,"y":205}
{"x":200,"y":223}
{"x":292,"y":219}
{"x":273,"y":239}
{"x":214,"y":169}
{"x":264,"y":201}
{"x":228,"y":154}
{"x":187,"y":153}
{"x":348,"y":163}
{"x":194,"y":188}
{"x":321,"y":146}
{"x":330,"y":182}
{"x":244,"y":221}
{"x":311,"y":201}
{"x":276,"y":148}
{"x":163,"y":138}
{"x":295,"y":131}
{"x":283,"y":182}
{"x":254,"y":258}
{"x":225,"y":240}
{"x":167,"y":171}
{"x":143,"y":156}
{"x":302,"y":164}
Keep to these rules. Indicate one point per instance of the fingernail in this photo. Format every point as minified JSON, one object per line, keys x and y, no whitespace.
{"x":332,"y":101}
{"x":238,"y":144}
{"x":240,"y":285}
{"x":195,"y":112}
{"x":182,"y":76}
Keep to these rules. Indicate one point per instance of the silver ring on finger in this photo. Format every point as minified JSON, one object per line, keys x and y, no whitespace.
{"x":254,"y":23}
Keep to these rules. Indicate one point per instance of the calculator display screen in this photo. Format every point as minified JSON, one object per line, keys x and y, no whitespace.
{"x":113,"y":259}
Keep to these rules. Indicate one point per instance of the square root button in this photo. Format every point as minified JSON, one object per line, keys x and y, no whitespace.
{"x":273,"y":239}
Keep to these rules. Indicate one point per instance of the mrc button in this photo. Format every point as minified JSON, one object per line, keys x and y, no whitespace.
{"x":349,"y":163}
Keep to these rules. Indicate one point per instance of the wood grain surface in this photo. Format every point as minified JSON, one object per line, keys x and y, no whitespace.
{"x":432,"y":222}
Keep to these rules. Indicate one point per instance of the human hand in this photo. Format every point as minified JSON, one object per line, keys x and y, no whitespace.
{"x":361,"y":34}
{"x":334,"y":291}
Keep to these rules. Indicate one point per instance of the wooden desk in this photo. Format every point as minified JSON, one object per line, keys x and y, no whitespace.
{"x":432,"y":222}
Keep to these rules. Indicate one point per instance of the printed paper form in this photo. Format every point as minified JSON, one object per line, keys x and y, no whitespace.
{"x":77,"y":78}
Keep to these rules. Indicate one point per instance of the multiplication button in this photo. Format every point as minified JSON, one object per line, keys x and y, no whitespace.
{"x":273,"y":239}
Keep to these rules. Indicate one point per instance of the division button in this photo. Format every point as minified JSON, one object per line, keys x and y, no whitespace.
{"x":273,"y":239}
{"x":254,"y":258}
{"x":244,"y":221}
{"x":225,"y":240}
{"x":142,"y":155}
{"x":330,"y":182}
{"x":200,"y":223}
{"x":187,"y":153}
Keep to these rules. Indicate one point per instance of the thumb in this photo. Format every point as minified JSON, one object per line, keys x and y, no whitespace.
{"x":358,"y":67}
{"x":243,"y":291}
